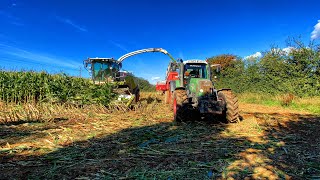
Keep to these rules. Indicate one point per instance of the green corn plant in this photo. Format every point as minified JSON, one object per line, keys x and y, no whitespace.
{"x":36,"y":87}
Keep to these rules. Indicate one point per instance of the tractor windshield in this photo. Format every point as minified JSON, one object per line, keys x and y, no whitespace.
{"x":196,"y":70}
{"x":103,"y":71}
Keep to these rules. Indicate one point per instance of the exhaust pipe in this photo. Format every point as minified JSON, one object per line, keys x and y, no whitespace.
{"x":181,"y":74}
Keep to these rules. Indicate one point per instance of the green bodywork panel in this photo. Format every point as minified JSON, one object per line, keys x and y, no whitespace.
{"x":130,"y":82}
{"x":195,"y":83}
{"x":178,"y":84}
{"x":193,"y":86}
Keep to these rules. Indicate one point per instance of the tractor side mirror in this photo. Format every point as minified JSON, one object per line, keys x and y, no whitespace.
{"x":218,"y":67}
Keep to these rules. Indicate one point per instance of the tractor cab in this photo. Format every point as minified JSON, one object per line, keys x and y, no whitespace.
{"x":104,"y":70}
{"x":196,"y":69}
{"x":196,"y":77}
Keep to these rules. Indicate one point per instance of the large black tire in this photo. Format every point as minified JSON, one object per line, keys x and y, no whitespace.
{"x":231,"y":112}
{"x":180,"y":99}
{"x":183,"y":111}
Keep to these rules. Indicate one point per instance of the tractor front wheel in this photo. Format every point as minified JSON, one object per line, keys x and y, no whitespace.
{"x":231,"y":112}
{"x":180,"y":105}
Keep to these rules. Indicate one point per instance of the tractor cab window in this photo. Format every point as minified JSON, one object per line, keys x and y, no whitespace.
{"x":196,"y":70}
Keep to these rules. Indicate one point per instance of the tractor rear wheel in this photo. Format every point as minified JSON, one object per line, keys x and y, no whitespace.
{"x":231,"y":112}
{"x":180,"y":105}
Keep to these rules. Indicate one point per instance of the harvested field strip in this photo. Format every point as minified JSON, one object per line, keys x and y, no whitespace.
{"x":146,"y":144}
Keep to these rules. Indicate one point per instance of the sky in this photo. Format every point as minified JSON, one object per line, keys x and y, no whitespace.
{"x":57,"y":35}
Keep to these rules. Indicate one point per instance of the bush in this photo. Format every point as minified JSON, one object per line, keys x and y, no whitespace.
{"x":286,"y":99}
{"x":277,"y":72}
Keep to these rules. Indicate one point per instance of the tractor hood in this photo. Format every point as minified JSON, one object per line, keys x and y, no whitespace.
{"x":200,"y":86}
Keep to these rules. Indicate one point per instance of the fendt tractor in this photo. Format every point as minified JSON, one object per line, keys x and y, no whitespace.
{"x":193,"y":95}
{"x":109,"y":70}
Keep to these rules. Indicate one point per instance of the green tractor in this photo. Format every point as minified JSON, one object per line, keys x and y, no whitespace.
{"x":194,"y":94}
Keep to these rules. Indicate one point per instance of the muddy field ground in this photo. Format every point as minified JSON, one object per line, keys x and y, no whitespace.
{"x":93,"y":143}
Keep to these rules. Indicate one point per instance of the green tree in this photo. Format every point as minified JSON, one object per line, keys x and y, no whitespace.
{"x":294,"y":70}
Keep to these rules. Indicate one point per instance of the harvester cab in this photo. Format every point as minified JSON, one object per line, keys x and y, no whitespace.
{"x":103,"y":70}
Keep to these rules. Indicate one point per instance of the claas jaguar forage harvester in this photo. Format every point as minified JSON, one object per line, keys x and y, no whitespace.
{"x":109,"y":70}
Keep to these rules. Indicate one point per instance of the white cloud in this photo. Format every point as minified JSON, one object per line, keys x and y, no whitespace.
{"x":22,"y":54}
{"x":254,"y":56}
{"x":316,"y":32}
{"x":71,"y":23}
{"x":288,"y":50}
{"x":155,"y":78}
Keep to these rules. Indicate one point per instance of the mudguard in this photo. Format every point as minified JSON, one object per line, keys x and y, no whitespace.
{"x":224,"y":89}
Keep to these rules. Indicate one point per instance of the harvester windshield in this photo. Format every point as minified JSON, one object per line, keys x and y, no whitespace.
{"x":196,"y":70}
{"x":102,"y":71}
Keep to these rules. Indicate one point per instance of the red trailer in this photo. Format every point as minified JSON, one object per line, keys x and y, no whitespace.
{"x":161,"y":86}
{"x":164,"y":86}
{"x":171,"y":76}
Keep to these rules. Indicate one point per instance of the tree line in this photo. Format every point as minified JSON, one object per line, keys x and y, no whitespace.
{"x":294,"y":70}
{"x":145,"y":85}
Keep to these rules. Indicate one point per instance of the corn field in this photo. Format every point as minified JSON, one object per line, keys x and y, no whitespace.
{"x":35,"y":87}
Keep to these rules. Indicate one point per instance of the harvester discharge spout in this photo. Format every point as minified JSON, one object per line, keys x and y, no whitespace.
{"x":122,"y":58}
